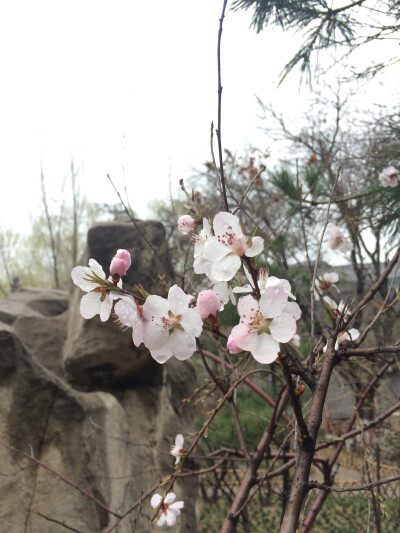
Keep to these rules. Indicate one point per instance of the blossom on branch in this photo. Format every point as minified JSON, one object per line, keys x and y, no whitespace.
{"x":170,"y":326}
{"x":218,"y":256}
{"x":337,"y":241}
{"x":208,"y":303}
{"x":186,"y":224}
{"x":389,"y":177}
{"x":264,"y":324}
{"x":120,"y":263}
{"x":177,"y":450}
{"x":99,"y":298}
{"x":169,"y":509}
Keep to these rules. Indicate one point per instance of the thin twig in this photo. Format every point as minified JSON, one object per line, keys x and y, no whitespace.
{"x":315,"y":270}
{"x":63,"y":524}
{"x":218,"y":132}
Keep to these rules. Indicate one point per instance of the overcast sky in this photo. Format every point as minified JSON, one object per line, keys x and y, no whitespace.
{"x":127,"y":88}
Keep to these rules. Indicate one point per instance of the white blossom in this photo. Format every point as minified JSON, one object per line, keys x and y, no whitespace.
{"x":169,"y":509}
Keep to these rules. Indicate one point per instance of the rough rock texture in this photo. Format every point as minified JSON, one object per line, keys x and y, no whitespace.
{"x":112,"y":442}
{"x":39,"y":318}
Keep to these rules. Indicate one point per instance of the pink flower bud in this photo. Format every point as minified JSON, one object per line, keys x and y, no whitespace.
{"x":120,"y":263}
{"x":208,"y":303}
{"x":186,"y":223}
{"x":125,"y":255}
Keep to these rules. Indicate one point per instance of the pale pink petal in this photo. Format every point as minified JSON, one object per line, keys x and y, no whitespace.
{"x":178,"y":301}
{"x":170,"y":498}
{"x":126,"y":310}
{"x":106,"y":308}
{"x":155,"y":336}
{"x":242,"y":337}
{"x":155,"y":306}
{"x":179,"y":440}
{"x":293,"y":309}
{"x":266,"y":350}
{"x":256,"y":248}
{"x":226,"y":268}
{"x":243,"y":289}
{"x":247,"y":308}
{"x":170,"y":518}
{"x":202,"y":266}
{"x":283,"y":327}
{"x":155,"y":500}
{"x":192,"y":323}
{"x":183,"y":344}
{"x":162,"y":355}
{"x":176,"y":506}
{"x":215,"y":251}
{"x":138,"y":332}
{"x":78,"y":275}
{"x":96,"y":268}
{"x":272,"y":301}
{"x":90,"y":304}
{"x":161,"y":520}
{"x":225,"y":222}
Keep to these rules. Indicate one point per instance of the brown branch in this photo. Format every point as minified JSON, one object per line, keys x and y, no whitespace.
{"x":252,"y":385}
{"x":63,"y":524}
{"x":374,"y":288}
{"x":320,"y":499}
{"x":356,"y":488}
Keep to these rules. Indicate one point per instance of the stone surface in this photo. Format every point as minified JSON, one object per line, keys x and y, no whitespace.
{"x":111,"y":438}
{"x":39,"y":318}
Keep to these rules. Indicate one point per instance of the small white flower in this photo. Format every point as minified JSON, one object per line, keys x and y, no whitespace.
{"x":350,"y":335}
{"x":170,"y":326}
{"x":264,"y":324}
{"x":389,"y":177}
{"x":98,"y":300}
{"x":222,"y":252}
{"x":337,"y":241}
{"x":178,"y":450}
{"x":169,"y":509}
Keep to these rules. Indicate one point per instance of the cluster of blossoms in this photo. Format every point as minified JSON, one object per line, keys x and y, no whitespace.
{"x":170,"y":326}
{"x":389,"y":177}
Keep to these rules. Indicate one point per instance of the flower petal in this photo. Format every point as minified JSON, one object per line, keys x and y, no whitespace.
{"x":256,"y":247}
{"x":155,"y":500}
{"x":226,"y":268}
{"x":170,"y":498}
{"x":155,"y":306}
{"x":293,"y":309}
{"x":96,"y":268}
{"x":178,"y":301}
{"x":225,"y":222}
{"x":283,"y":327}
{"x":106,"y":308}
{"x":183,"y":344}
{"x":90,"y":304}
{"x":266,"y":350}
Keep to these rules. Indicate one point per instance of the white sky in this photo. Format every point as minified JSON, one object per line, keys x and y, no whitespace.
{"x":127,"y":84}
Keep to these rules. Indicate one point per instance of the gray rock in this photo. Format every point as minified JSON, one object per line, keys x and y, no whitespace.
{"x":112,"y":437}
{"x":39,"y":318}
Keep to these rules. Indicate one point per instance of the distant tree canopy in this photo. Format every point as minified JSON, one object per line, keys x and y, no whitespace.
{"x":325,"y":26}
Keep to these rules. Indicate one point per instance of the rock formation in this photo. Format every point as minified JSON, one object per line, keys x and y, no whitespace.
{"x":77,"y":396}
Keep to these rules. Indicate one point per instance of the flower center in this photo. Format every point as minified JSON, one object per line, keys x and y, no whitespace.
{"x":171,"y":322}
{"x":259,"y":324}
